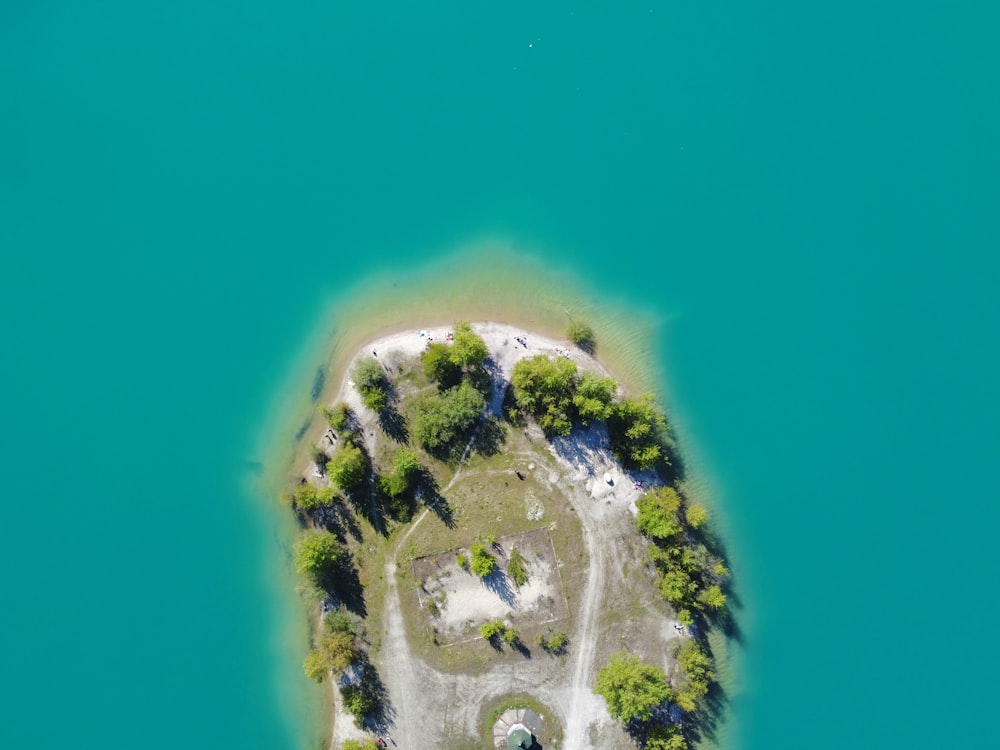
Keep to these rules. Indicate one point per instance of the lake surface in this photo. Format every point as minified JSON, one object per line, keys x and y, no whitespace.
{"x":804,"y":196}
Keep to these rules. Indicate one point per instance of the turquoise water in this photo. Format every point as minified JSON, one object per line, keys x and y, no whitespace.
{"x":805,"y":193}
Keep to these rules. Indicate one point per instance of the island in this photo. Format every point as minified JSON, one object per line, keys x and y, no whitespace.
{"x":499,"y":550}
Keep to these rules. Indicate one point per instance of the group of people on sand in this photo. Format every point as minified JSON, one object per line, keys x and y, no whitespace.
{"x":563,"y":352}
{"x":522,"y":341}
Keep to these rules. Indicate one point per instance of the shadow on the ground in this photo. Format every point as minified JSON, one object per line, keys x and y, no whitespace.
{"x":499,"y":584}
{"x":427,"y":490}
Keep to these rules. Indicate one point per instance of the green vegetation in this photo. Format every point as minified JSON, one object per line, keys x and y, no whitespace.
{"x":338,"y":417}
{"x":510,"y":636}
{"x":697,"y":516}
{"x":665,"y":737}
{"x":483,"y":563}
{"x":445,"y":364}
{"x":544,"y":387}
{"x":696,"y":667}
{"x":335,"y":652}
{"x":347,"y":467}
{"x":637,"y":429}
{"x":516,"y":570}
{"x":468,"y":350}
{"x":439,"y":366}
{"x":461,"y":560}
{"x":352,"y":744}
{"x":593,"y":397}
{"x":405,"y":471}
{"x":492,"y":630}
{"x":369,"y":380}
{"x":444,"y":419}
{"x":657,"y":516}
{"x":308,"y":496}
{"x":631,"y":688}
{"x":318,"y":554}
{"x":582,"y":335}
{"x":554,"y":644}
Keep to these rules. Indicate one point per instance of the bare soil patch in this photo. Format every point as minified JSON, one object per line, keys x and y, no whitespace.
{"x":455,"y":602}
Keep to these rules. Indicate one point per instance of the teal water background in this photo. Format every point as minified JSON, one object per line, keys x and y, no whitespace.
{"x":806,"y":192}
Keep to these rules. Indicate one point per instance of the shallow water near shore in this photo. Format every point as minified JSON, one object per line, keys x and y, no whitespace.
{"x":798,"y":204}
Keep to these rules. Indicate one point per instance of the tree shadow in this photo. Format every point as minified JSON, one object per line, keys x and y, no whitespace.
{"x":490,"y":438}
{"x":393,"y":424}
{"x":427,"y":491}
{"x":337,"y":519}
{"x":343,"y":585}
{"x":363,"y":684}
{"x":499,"y":584}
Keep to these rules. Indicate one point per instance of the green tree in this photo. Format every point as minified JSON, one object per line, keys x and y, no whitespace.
{"x":637,"y":429}
{"x":439,"y":366}
{"x":318,"y":554}
{"x":593,"y":397}
{"x":631,"y":688}
{"x":335,"y":651}
{"x":676,"y":586}
{"x":516,"y":569}
{"x":347,"y":467}
{"x":468,"y":349}
{"x":697,"y":516}
{"x":582,"y":335}
{"x":510,"y":636}
{"x":665,"y":737}
{"x":697,"y":668}
{"x":444,"y":418}
{"x":491,"y":630}
{"x":338,"y":417}
{"x":544,"y":387}
{"x":359,"y":701}
{"x":353,"y":744}
{"x":483,"y":563}
{"x":309,"y":497}
{"x":657,"y":517}
{"x":369,"y":380}
{"x":713,"y":598}
{"x":556,"y":644}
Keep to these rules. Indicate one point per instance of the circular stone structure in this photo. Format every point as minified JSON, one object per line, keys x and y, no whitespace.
{"x":517,"y":729}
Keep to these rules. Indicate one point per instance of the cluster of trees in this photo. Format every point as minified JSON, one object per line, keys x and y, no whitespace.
{"x":370,"y":382}
{"x":497,"y":631}
{"x":634,"y":690}
{"x":696,"y":674}
{"x":691,"y":578}
{"x":552,"y":391}
{"x":397,"y":486}
{"x":446,"y":418}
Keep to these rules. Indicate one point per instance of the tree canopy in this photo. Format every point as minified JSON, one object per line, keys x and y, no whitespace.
{"x":632,"y":688}
{"x":582,"y":335}
{"x":369,"y":380}
{"x":443,"y":418}
{"x":439,"y":366}
{"x":593,"y":397}
{"x":637,"y":429}
{"x":483,"y":563}
{"x":544,"y":387}
{"x":468,"y":349}
{"x":335,"y":651}
{"x":347,"y":466}
{"x":665,"y":737}
{"x":657,"y":517}
{"x":697,"y":516}
{"x":318,"y":554}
